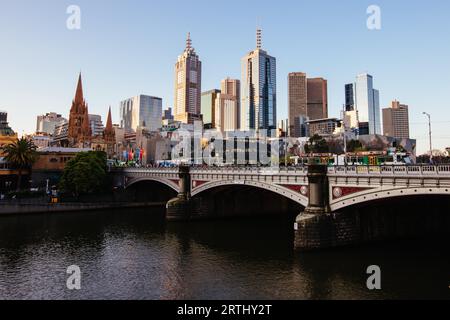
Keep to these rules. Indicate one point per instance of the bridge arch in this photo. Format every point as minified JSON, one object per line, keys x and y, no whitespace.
{"x":277,"y":189}
{"x":377,"y":194}
{"x":166,"y":182}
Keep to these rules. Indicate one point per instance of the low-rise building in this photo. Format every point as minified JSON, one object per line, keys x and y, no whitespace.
{"x":323,"y":127}
{"x":50,"y":164}
{"x":48,"y":122}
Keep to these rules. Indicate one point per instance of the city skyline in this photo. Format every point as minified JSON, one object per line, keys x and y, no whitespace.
{"x":393,"y":69}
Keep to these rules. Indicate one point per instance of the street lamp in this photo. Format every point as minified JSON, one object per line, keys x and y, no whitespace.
{"x":344,"y":137}
{"x":429,"y":126}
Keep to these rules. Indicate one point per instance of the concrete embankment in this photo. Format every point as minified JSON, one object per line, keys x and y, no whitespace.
{"x":21,"y":208}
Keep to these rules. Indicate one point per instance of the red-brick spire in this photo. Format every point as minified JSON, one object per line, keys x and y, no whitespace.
{"x":79,"y":99}
{"x":109,"y":125}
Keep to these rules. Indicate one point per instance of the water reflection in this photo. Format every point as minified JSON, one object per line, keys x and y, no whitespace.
{"x":136,"y":255}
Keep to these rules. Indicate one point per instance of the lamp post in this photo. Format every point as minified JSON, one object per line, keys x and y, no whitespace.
{"x":429,"y":131}
{"x":344,"y":136}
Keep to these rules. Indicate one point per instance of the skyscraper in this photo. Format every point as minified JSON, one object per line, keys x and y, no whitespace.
{"x":396,"y":120}
{"x":317,"y":98}
{"x":141,"y":111}
{"x":367,"y":103}
{"x":188,"y":85}
{"x":297,"y":101}
{"x":227,"y":106}
{"x":258,"y":89}
{"x":79,"y":129}
{"x":208,"y":107}
{"x":349,"y":97}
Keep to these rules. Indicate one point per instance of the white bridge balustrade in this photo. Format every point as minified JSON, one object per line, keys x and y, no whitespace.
{"x":390,"y":170}
{"x":351,"y":185}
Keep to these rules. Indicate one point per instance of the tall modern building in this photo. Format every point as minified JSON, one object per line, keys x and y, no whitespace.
{"x":349,"y":97}
{"x":367,"y":104}
{"x":396,"y":120}
{"x":188,"y":85}
{"x":141,"y":112}
{"x":307,"y":99}
{"x":297,"y":101}
{"x":317,"y":98}
{"x":48,"y":122}
{"x":227,"y":106}
{"x":258,"y":89}
{"x":208,"y":105}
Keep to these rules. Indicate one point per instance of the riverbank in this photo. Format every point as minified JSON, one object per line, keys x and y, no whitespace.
{"x":42,"y":208}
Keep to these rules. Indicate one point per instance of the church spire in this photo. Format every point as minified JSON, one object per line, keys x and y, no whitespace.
{"x":79,"y":93}
{"x":109,"y":125}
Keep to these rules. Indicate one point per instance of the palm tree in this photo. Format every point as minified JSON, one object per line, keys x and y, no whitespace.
{"x":21,"y":154}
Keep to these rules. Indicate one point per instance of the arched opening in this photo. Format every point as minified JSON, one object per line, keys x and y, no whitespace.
{"x":401,"y":217}
{"x":150,"y":191}
{"x":244,"y":200}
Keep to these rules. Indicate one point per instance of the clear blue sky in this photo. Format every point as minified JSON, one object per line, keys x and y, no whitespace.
{"x":129,"y":47}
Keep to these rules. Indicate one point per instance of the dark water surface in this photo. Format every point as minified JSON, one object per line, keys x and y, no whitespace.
{"x":135,"y":255}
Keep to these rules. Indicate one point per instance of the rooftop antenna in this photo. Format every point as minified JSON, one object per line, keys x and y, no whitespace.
{"x":258,"y":39}
{"x":188,"y":41}
{"x":258,"y":34}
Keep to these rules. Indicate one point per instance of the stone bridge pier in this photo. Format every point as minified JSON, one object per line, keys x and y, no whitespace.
{"x":317,"y":227}
{"x":180,"y":208}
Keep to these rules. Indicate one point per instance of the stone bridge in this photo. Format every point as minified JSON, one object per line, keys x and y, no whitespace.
{"x":323,"y":191}
{"x":346,"y":185}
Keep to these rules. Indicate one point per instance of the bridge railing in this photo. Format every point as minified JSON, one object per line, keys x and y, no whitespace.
{"x":250,"y":170}
{"x":148,"y":170}
{"x":419,"y":170}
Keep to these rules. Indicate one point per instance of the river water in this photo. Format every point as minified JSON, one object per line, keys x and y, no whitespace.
{"x":134,"y":254}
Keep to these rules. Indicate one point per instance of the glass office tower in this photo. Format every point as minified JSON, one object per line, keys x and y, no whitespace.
{"x":258,"y":90}
{"x":141,"y":112}
{"x":367,"y":101}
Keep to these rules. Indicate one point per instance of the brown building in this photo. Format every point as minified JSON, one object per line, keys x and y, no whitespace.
{"x":308,"y":100}
{"x":317,"y":98}
{"x":50,"y":164}
{"x":55,"y":158}
{"x":109,"y":136}
{"x":227,"y":106}
{"x":297,"y":101}
{"x":396,"y":121}
{"x":79,"y":130}
{"x":77,"y":133}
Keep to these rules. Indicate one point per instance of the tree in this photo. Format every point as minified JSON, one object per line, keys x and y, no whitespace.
{"x":317,"y":144}
{"x":85,"y":174}
{"x":21,"y":155}
{"x":354,"y":146}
